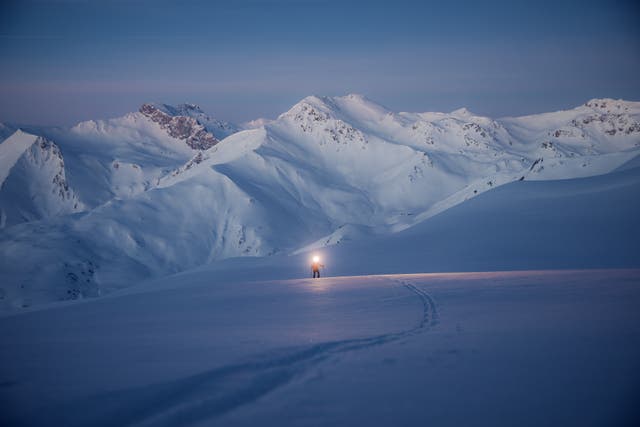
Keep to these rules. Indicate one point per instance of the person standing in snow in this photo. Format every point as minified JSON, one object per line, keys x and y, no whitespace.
{"x":315,"y":267}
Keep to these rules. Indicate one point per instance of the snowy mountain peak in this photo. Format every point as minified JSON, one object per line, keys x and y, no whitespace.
{"x":184,"y":128}
{"x":218,"y":128}
{"x":610,"y":105}
{"x":323,"y":103}
{"x":351,"y":108}
{"x":310,"y":109}
{"x":34,"y":184}
{"x":321,"y":120}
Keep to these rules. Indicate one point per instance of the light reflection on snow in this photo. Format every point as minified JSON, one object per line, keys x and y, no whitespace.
{"x":319,"y":285}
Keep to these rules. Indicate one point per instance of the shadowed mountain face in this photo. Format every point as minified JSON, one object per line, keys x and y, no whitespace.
{"x":155,"y":192}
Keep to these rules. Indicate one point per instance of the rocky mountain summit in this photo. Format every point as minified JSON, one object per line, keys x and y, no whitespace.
{"x":184,"y":128}
{"x":219,"y":128}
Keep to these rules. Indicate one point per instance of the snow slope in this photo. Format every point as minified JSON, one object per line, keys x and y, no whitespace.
{"x":33,"y":182}
{"x":525,"y":225}
{"x":327,"y":170}
{"x":577,"y":223}
{"x":12,"y":150}
{"x":474,"y":349}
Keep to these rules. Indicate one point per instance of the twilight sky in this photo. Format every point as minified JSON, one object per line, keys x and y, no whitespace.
{"x":63,"y":61}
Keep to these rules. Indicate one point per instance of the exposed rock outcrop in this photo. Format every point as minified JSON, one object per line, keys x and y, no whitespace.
{"x":184,"y":128}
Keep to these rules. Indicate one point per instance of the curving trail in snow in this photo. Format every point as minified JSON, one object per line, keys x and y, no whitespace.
{"x":211,"y":394}
{"x":338,"y":351}
{"x":430,"y":315}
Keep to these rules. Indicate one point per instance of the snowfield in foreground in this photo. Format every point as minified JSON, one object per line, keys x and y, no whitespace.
{"x":499,"y":349}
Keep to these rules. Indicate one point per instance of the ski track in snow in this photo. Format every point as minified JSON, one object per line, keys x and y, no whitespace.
{"x":210,"y":394}
{"x":430,"y":312}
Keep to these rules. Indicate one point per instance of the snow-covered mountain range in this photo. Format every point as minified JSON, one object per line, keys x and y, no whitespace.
{"x":107,"y":203}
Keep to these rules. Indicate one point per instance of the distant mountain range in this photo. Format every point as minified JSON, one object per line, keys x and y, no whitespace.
{"x":107,"y":203}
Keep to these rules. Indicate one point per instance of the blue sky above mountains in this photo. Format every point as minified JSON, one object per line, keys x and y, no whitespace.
{"x":69,"y":60}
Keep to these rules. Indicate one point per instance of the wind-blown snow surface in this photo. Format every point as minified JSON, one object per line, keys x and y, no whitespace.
{"x":474,"y":349}
{"x":328,"y":170}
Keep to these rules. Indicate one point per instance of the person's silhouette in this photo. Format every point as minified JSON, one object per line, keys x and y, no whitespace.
{"x":315,"y":267}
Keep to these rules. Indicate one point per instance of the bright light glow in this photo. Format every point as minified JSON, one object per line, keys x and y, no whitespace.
{"x":316,"y":258}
